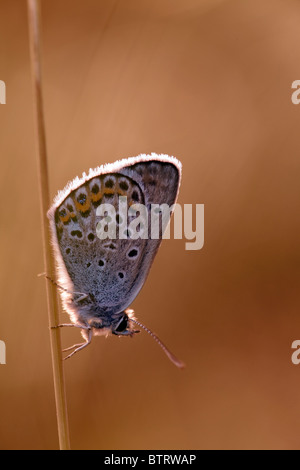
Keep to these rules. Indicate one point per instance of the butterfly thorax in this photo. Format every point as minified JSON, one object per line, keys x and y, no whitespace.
{"x":86,"y":311}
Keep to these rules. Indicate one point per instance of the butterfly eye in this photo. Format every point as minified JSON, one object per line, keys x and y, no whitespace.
{"x":122,"y":325}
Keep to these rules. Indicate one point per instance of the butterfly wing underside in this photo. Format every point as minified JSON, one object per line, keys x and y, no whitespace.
{"x":111,"y":272}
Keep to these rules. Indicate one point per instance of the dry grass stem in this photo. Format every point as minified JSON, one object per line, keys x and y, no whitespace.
{"x":57,"y":364}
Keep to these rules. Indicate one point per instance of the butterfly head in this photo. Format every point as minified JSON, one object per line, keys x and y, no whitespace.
{"x":122,"y":325}
{"x":118,"y":324}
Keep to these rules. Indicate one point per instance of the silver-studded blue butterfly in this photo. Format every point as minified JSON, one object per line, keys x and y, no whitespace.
{"x":100,"y":277}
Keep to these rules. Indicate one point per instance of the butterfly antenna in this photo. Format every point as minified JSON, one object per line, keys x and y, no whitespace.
{"x":171,"y":356}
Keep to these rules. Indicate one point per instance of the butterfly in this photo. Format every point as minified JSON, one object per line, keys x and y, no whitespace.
{"x":100,"y":275}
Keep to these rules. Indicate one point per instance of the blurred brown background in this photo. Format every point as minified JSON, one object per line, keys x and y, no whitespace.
{"x":206,"y":81}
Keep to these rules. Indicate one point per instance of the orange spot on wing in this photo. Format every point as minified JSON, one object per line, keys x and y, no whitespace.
{"x":96,"y":197}
{"x":83,"y":207}
{"x":65,"y":219}
{"x":122,"y":192}
{"x":109,"y":191}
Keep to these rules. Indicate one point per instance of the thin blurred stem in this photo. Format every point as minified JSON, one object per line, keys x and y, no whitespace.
{"x":57,"y":364}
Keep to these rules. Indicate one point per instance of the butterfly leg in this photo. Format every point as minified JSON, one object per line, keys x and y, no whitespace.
{"x":81,"y":297}
{"x":71,"y":324}
{"x":53,"y":282}
{"x":79,"y":346}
